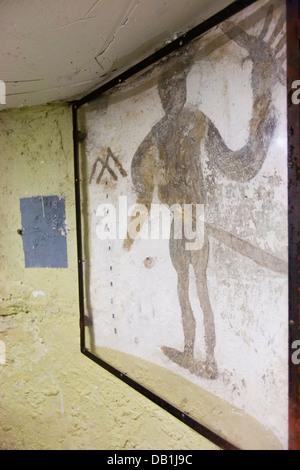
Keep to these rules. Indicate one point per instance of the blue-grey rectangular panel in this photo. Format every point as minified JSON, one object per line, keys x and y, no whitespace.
{"x":44,"y":232}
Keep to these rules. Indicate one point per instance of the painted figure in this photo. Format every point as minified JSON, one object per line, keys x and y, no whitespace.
{"x":168,"y":159}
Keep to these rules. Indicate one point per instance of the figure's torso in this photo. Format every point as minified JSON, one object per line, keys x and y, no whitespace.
{"x":178,"y":140}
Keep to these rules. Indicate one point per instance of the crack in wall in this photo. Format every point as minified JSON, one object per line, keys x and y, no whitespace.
{"x":123,"y":25}
{"x":80,"y":20}
{"x":60,"y":138}
{"x":92,"y":8}
{"x":25,"y":81}
{"x":51,"y":88}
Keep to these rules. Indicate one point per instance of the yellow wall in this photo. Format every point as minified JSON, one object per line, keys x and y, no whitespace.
{"x":51,"y":396}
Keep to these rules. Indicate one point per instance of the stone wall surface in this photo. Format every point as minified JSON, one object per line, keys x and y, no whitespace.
{"x":51,"y":396}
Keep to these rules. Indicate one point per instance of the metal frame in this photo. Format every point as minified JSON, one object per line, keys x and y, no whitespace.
{"x":293,"y":64}
{"x":293,"y":30}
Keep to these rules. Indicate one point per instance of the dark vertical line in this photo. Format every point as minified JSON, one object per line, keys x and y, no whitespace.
{"x":78,"y":225}
{"x":293,"y":73}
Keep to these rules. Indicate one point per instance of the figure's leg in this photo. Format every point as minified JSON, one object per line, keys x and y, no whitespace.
{"x":199,"y":262}
{"x":181,"y":259}
{"x":181,"y":263}
{"x":208,"y":316}
{"x":188,"y":319}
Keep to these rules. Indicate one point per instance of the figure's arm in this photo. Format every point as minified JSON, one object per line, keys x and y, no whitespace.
{"x":143,"y":170}
{"x":244,"y":164}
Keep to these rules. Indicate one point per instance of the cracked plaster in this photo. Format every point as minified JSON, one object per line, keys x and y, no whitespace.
{"x":52,"y":53}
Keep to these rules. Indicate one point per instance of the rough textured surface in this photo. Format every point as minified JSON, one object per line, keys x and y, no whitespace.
{"x":205,"y":126}
{"x":51,"y":396}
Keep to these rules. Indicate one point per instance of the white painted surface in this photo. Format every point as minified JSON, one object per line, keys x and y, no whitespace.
{"x":2,"y":353}
{"x":58,"y":50}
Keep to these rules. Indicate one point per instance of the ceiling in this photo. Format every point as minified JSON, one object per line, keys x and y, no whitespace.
{"x":60,"y":50}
